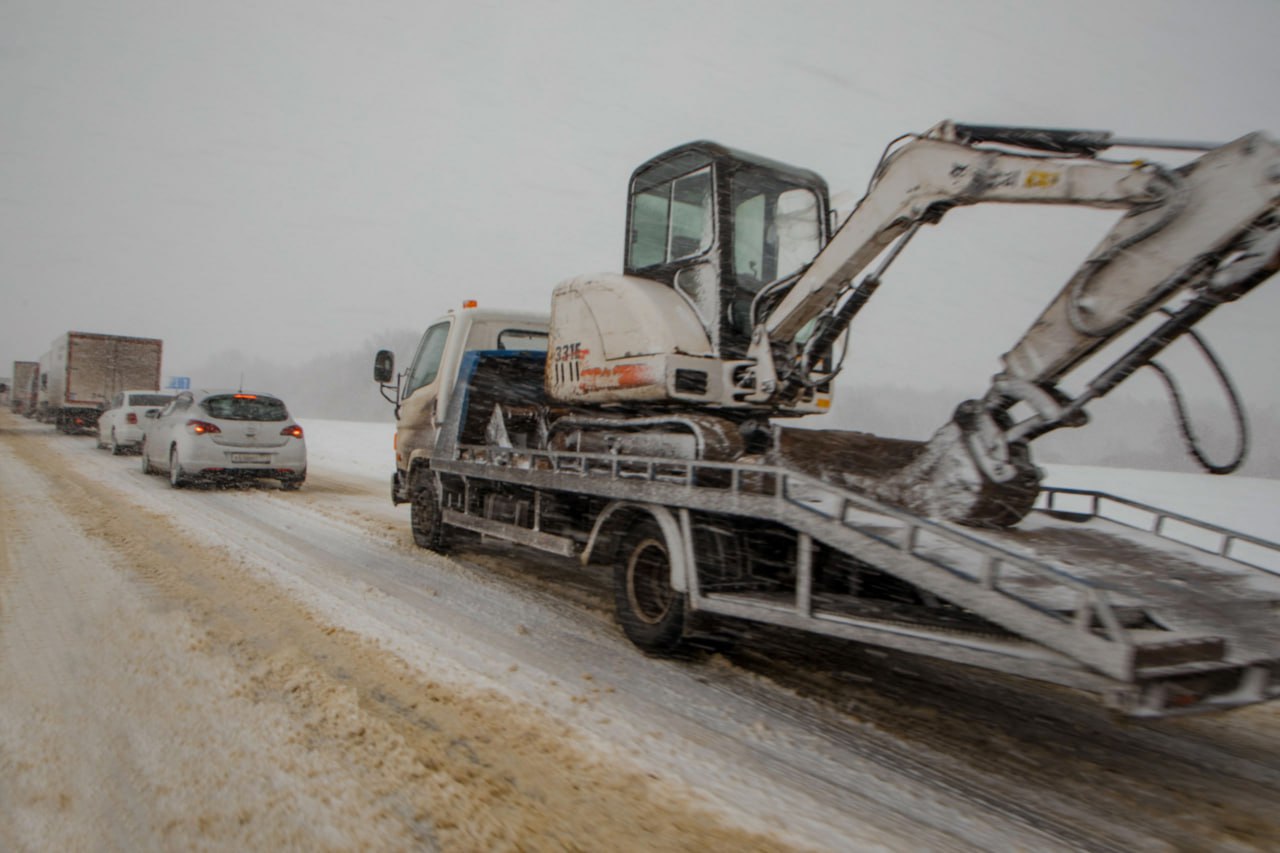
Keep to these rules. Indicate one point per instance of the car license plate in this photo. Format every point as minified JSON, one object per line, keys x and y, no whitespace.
{"x":250,"y":457}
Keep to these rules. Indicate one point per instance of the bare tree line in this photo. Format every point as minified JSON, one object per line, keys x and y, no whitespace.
{"x":337,"y":386}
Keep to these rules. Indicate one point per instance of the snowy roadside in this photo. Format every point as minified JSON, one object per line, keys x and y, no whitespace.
{"x":118,"y":730}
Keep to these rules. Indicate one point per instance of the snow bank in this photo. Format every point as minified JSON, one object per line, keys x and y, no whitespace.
{"x":351,"y":448}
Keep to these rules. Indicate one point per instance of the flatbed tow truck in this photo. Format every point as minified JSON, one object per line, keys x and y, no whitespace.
{"x":637,"y":428}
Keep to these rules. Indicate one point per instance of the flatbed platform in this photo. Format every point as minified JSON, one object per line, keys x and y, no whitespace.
{"x":1080,"y":593}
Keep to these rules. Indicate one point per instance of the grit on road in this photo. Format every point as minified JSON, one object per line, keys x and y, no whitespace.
{"x":253,"y":669}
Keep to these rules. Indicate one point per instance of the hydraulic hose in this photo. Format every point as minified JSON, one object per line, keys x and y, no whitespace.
{"x":1184,"y":420}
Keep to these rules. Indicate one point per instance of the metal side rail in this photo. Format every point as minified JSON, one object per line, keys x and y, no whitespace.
{"x":952,"y":562}
{"x":1068,"y":629}
{"x":1229,"y":544}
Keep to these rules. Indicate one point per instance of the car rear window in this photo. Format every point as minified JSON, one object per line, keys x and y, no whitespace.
{"x":149,"y":399}
{"x":245,"y":407}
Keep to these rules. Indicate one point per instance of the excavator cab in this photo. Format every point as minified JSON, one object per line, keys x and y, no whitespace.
{"x":717,"y":225}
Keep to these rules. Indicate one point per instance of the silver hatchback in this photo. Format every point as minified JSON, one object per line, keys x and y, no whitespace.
{"x":223,"y":436}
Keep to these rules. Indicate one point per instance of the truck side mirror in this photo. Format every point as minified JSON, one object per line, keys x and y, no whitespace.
{"x":384,"y":365}
{"x":151,"y":413}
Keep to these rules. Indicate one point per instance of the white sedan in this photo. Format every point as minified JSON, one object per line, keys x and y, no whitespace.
{"x":120,"y":426}
{"x":225,"y":435}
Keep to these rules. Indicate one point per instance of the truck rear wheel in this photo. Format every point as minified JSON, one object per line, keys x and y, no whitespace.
{"x":650,"y":611}
{"x":425,"y":515}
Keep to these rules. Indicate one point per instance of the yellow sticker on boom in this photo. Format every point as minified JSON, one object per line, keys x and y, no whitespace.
{"x":1039,"y":179}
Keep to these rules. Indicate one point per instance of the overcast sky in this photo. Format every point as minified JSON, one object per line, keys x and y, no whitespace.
{"x":289,"y":178}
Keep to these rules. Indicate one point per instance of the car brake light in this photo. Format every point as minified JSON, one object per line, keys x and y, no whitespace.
{"x":202,"y":427}
{"x":469,"y":303}
{"x":131,"y":418}
{"x":293,"y":430}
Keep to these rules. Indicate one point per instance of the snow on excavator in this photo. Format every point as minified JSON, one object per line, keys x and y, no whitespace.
{"x":738,"y":294}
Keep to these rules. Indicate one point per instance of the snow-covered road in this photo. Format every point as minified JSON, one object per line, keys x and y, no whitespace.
{"x":255,"y":668}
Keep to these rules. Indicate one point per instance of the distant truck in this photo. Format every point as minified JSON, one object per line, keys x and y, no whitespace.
{"x":83,"y":370}
{"x":22,"y":394}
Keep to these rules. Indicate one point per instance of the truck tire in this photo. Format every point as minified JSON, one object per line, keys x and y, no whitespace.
{"x":425,"y":515}
{"x":652,"y":614}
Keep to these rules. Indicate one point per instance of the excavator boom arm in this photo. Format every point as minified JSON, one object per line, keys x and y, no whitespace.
{"x":1208,"y":230}
{"x":928,"y":176}
{"x":1181,"y":225}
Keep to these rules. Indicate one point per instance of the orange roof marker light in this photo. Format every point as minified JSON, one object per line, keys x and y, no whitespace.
{"x":245,"y":396}
{"x":469,"y":303}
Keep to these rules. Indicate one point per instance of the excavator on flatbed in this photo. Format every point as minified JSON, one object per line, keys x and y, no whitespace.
{"x":641,"y":425}
{"x":736,"y":296}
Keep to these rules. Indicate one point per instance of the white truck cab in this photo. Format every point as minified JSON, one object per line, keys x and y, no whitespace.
{"x":423,"y":388}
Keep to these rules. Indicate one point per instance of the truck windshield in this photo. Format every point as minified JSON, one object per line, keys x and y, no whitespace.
{"x":777,"y":228}
{"x":426,"y":364}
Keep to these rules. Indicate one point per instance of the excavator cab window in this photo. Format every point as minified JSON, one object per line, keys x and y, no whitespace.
{"x":672,"y":221}
{"x":649,"y":227}
{"x":776,"y":228}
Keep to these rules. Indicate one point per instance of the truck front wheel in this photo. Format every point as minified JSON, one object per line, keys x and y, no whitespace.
{"x":425,"y":515}
{"x":650,"y":611}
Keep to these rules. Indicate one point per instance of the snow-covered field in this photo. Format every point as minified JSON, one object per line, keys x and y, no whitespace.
{"x":353,"y":449}
{"x":250,"y":668}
